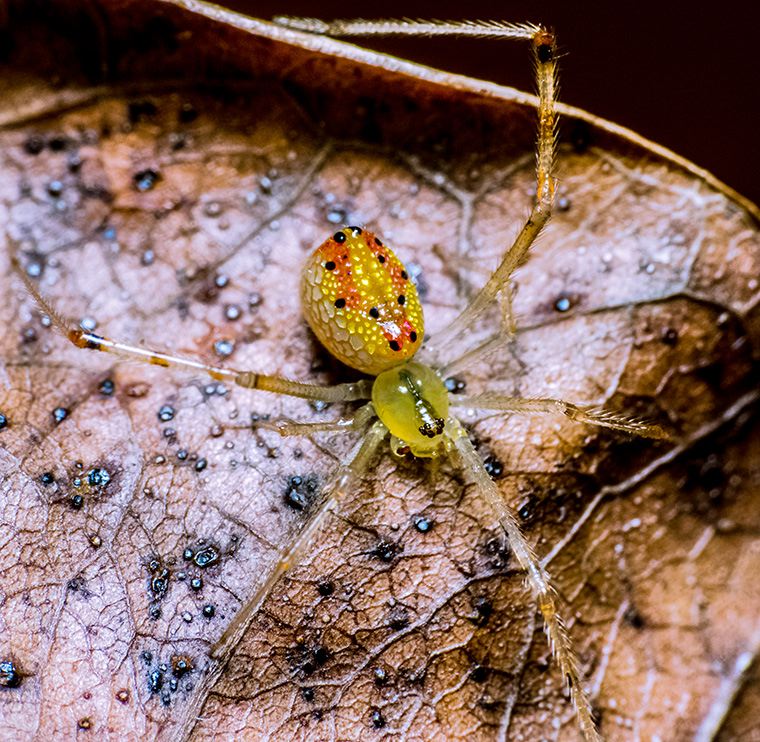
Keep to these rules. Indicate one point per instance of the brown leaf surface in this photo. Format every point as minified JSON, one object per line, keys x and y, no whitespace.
{"x":258,"y":148}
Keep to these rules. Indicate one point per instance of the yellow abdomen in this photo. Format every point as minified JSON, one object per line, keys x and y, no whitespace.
{"x":359,"y":301}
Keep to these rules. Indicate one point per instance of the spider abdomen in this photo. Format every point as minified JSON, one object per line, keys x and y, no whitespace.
{"x":359,"y":301}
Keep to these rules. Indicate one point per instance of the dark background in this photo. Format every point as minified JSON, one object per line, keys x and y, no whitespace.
{"x":684,"y":77}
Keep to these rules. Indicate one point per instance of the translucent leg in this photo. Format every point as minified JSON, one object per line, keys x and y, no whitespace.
{"x":247,"y":379}
{"x":591,"y":415}
{"x":536,"y":574}
{"x":353,"y":469}
{"x":287,"y":427}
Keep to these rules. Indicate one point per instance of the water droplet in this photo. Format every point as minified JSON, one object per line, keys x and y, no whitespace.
{"x":3,"y":421}
{"x":265,"y":184}
{"x":148,"y":257}
{"x":10,"y":677}
{"x":187,"y":617}
{"x":212,"y":209}
{"x":224,"y":348}
{"x":336,"y":216}
{"x":60,"y":414}
{"x":122,"y":696}
{"x":166,"y":413}
{"x":55,"y":188}
{"x":455,"y":385}
{"x":494,"y":467}
{"x":232,"y":312}
{"x":562,"y":304}
{"x":209,"y":611}
{"x":196,"y":583}
{"x":206,"y":557}
{"x":98,"y":477}
{"x":145,"y":180}
{"x":155,"y":681}
{"x":423,"y":524}
{"x":106,"y":387}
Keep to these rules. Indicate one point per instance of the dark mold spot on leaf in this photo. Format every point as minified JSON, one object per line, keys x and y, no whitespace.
{"x":300,"y":491}
{"x":483,"y":610}
{"x":479,"y":674}
{"x":139,"y":110}
{"x":325,"y":588}
{"x":386,"y":550}
{"x":634,"y":618}
{"x":398,"y":618}
{"x":34,"y":144}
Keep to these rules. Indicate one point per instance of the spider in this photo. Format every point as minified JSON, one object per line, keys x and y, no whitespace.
{"x":360,"y":302}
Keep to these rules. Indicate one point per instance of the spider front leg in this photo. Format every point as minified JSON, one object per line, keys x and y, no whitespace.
{"x":352,"y":470}
{"x":248,"y":379}
{"x":536,"y":574}
{"x":592,"y":415}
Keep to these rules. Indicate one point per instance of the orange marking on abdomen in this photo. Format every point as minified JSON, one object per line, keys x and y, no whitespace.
{"x":360,"y":303}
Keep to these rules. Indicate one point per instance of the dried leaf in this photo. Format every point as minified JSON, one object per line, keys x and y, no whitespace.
{"x":165,"y":171}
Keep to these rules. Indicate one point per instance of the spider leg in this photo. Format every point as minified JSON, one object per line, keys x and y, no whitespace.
{"x":247,"y":379}
{"x":348,"y":473}
{"x":498,"y":284}
{"x":287,"y":427}
{"x":592,"y":415}
{"x":536,"y":574}
{"x":508,"y":323}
